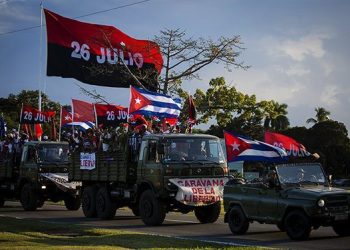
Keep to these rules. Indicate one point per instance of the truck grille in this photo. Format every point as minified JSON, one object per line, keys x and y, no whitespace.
{"x":337,"y":203}
{"x":202,"y":171}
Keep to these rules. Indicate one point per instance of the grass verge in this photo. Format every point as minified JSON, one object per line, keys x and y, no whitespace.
{"x":32,"y":234}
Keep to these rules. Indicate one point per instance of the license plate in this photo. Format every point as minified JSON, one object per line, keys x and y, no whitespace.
{"x":341,"y":216}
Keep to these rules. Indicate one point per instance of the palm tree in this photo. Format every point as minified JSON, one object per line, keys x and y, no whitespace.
{"x":276,"y":116}
{"x":321,"y":115}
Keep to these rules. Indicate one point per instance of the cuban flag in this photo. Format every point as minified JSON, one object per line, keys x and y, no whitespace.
{"x":240,"y":148}
{"x":150,"y":104}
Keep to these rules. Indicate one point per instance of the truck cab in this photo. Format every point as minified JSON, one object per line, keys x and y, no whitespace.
{"x":41,"y":174}
{"x":298,"y":199}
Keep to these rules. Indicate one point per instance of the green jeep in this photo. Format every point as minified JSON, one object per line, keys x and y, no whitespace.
{"x":297,"y":200}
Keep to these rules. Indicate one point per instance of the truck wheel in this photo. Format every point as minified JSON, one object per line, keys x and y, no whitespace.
{"x":342,"y":229}
{"x":89,"y":201}
{"x":40,"y":203}
{"x":237,"y":221}
{"x":152,"y":210}
{"x":29,"y":198}
{"x":208,"y":214}
{"x":297,"y":225}
{"x":281,"y":227}
{"x":72,"y":203}
{"x":105,"y":207}
{"x":135,"y":209}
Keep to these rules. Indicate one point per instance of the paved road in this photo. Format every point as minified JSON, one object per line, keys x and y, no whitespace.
{"x":185,"y":226}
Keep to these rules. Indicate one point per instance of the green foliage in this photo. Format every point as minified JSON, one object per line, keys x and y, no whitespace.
{"x":330,"y":140}
{"x":321,"y":115}
{"x":11,"y":106}
{"x":239,"y":112}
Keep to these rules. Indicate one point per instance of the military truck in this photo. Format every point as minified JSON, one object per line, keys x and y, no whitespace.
{"x":297,"y":200}
{"x":162,"y":173}
{"x":38,"y":174}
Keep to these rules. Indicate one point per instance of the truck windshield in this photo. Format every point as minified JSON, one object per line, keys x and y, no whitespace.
{"x":53,"y":153}
{"x":301,"y":174}
{"x":193,"y":149}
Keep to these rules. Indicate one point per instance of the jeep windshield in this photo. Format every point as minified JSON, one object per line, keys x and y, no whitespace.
{"x":53,"y":153}
{"x":193,"y":150}
{"x":304,"y":174}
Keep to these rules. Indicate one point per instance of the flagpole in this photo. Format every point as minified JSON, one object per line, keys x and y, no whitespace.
{"x":96,"y":123}
{"x":20,"y":118}
{"x":72,"y":118}
{"x":60,"y":129}
{"x":40,"y":59}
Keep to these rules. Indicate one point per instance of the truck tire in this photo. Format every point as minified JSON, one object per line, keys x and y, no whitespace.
{"x":29,"y":198}
{"x":342,"y":229}
{"x":40,"y":203}
{"x":105,"y":207}
{"x":88,"y":202}
{"x":297,"y":225}
{"x":152,"y":210}
{"x":72,"y":203}
{"x":135,"y":209}
{"x":208,"y":214}
{"x":237,"y":221}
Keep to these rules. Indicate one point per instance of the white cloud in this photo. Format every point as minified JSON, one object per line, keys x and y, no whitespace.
{"x":297,"y":70}
{"x":310,"y":45}
{"x":329,"y":95}
{"x":296,"y":49}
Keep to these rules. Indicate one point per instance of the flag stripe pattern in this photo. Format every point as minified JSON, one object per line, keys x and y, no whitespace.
{"x":239,"y":148}
{"x":152,"y":104}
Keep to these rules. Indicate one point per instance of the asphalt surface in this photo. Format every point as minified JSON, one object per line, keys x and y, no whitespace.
{"x":185,"y":226}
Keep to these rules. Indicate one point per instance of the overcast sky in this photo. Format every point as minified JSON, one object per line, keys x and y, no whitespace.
{"x":299,"y":50}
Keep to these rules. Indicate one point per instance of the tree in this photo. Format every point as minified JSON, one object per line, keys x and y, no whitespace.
{"x":184,"y":57}
{"x":321,"y":115}
{"x":11,"y":106}
{"x":236,"y":111}
{"x":275,"y":115}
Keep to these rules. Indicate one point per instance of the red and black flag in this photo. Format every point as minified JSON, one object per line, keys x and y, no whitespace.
{"x":83,"y":111}
{"x":31,"y":115}
{"x":111,"y":115}
{"x":97,"y":54}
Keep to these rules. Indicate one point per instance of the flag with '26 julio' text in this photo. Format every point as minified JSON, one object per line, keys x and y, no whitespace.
{"x":99,"y":54}
{"x":31,"y":115}
{"x":110,"y":115}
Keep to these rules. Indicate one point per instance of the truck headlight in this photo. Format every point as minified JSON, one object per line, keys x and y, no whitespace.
{"x":320,"y":203}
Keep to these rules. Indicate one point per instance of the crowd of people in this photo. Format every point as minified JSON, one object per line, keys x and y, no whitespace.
{"x":92,"y":140}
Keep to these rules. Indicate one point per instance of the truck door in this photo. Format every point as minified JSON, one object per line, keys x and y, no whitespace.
{"x":29,"y":163}
{"x":268,"y":203}
{"x":151,"y":168}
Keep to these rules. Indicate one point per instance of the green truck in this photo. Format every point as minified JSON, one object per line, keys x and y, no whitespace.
{"x":37,"y":174}
{"x":152,"y":176}
{"x":297,"y":198}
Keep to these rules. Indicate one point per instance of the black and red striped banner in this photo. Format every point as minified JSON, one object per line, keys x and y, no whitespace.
{"x":94,"y":54}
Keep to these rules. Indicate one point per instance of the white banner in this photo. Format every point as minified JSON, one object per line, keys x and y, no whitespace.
{"x":199,"y":191}
{"x":87,"y":161}
{"x":61,"y":180}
